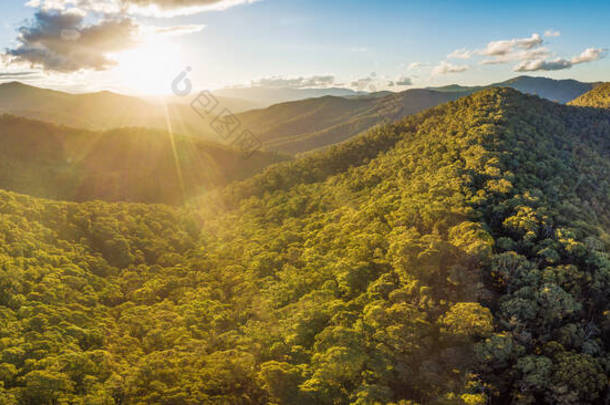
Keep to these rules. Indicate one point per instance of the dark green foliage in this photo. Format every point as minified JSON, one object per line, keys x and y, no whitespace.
{"x":456,"y":257}
{"x":301,"y":126}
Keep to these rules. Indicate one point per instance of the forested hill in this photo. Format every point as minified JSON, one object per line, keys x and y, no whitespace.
{"x":599,"y":97}
{"x":459,"y":256}
{"x":305,"y":125}
{"x":128,"y":164}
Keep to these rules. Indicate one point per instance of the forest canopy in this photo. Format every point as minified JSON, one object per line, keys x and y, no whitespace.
{"x":459,"y":256}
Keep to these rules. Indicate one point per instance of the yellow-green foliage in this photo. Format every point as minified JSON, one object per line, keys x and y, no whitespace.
{"x":599,"y":97}
{"x":456,"y":257}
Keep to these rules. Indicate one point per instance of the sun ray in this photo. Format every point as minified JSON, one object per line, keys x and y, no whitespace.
{"x":172,"y":141}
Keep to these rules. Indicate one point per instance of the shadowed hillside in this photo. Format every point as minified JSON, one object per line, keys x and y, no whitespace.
{"x":293,"y":127}
{"x":310,"y":124}
{"x":106,"y":110}
{"x":130,"y":164}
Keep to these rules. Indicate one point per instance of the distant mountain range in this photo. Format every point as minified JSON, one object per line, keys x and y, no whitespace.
{"x":128,"y":164}
{"x":561,"y":91}
{"x":309,"y":124}
{"x":289,"y":127}
{"x":106,"y":110}
{"x":301,"y":126}
{"x":266,"y":96}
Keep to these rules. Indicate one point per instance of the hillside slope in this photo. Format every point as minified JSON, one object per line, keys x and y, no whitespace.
{"x":292,"y":127}
{"x":599,"y":97}
{"x":310,"y":124}
{"x":130,"y":164}
{"x":459,"y":256}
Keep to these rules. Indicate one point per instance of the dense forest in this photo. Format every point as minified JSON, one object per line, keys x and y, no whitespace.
{"x":599,"y":97}
{"x":459,"y":256}
{"x":305,"y":125}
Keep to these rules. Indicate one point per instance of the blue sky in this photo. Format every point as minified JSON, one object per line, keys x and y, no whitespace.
{"x":357,"y":43}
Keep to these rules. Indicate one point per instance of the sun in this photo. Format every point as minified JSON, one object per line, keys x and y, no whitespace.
{"x":150,"y":68}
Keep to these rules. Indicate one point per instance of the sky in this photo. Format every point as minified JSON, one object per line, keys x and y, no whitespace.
{"x":141,"y":46}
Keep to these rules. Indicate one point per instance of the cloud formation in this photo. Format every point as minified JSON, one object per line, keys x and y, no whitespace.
{"x":59,"y":41}
{"x":522,"y":55}
{"x":297,"y":82}
{"x":445,"y":67}
{"x":178,"y":30}
{"x":156,"y":8}
{"x":460,"y":54}
{"x":588,"y":55}
{"x":404,"y":81}
{"x":551,"y":34}
{"x":364,"y":84}
{"x":171,"y":8}
{"x":528,"y":54}
{"x":502,"y":48}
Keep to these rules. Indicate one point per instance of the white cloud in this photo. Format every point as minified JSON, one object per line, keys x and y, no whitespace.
{"x":461,"y":54}
{"x":177,"y":30}
{"x":524,"y":55}
{"x":502,"y":48}
{"x":588,"y":55}
{"x":173,"y":8}
{"x":297,"y":82}
{"x":71,"y":35}
{"x":60,"y":41}
{"x":415,"y":65}
{"x":404,"y":81}
{"x":551,"y":34}
{"x":445,"y":67}
{"x":506,"y":51}
{"x":363,"y":84}
{"x":152,"y":8}
{"x":541,"y":64}
{"x":98,"y":6}
{"x":528,"y":53}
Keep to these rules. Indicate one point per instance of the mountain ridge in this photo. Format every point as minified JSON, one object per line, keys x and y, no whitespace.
{"x":562,"y":91}
{"x":290,"y":127}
